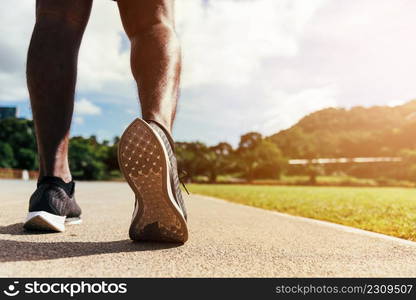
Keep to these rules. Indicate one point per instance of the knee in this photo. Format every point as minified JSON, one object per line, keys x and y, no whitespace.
{"x":144,"y":17}
{"x":151,"y":25}
{"x":69,"y":15}
{"x":58,"y":21}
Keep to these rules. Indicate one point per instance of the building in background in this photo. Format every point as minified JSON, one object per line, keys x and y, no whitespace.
{"x":8,"y":112}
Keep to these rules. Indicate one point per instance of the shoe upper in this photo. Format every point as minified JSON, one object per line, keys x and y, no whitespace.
{"x":173,"y":170}
{"x":55,"y":196}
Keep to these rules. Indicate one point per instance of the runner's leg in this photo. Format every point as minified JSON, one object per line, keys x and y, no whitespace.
{"x":155,"y":56}
{"x":51,"y":77}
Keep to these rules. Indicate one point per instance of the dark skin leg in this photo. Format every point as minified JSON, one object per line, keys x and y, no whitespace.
{"x":155,"y":56}
{"x":51,"y":77}
{"x":52,"y":65}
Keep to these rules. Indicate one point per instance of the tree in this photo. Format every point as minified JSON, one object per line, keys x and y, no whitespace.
{"x":249,"y":140}
{"x":111,"y":160}
{"x":270,"y":160}
{"x":192,"y":158}
{"x":6,"y":156}
{"x":197,"y":159}
{"x":409,"y":163}
{"x":86,"y":158}
{"x":219,"y":160}
{"x":19,"y":134}
{"x":259,"y":158}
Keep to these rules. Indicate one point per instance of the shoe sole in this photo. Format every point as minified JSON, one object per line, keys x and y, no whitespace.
{"x":143,"y":161}
{"x":44,"y":221}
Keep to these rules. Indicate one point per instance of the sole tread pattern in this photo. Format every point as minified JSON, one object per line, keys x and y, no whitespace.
{"x":144,"y":164}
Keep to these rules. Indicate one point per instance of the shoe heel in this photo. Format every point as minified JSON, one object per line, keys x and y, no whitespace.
{"x":44,"y":221}
{"x":143,"y":162}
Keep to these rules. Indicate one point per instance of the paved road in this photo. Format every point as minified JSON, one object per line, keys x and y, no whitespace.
{"x":225,"y":240}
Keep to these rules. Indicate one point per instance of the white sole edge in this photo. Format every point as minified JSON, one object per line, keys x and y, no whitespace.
{"x":169,"y":186}
{"x":42,"y":220}
{"x":73,"y":221}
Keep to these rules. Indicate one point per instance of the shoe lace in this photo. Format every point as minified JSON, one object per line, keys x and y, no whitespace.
{"x":183,"y":175}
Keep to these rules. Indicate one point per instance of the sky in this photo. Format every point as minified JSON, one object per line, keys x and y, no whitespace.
{"x":249,"y":65}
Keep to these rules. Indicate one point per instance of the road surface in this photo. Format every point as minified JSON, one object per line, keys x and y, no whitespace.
{"x":226,"y":240}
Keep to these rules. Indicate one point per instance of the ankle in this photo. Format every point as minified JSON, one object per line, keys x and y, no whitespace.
{"x":65,"y":176}
{"x":163,"y":130}
{"x":163,"y":123}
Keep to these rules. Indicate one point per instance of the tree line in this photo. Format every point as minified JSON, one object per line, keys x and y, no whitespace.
{"x":90,"y":159}
{"x":329,"y":133}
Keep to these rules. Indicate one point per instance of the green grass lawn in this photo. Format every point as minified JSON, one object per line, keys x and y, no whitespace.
{"x":386,"y":210}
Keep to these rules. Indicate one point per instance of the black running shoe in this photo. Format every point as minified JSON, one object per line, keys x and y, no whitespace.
{"x":52,"y":206}
{"x":148,"y":163}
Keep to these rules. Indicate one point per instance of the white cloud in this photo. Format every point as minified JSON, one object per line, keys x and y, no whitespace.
{"x":395,"y":103}
{"x":86,"y":107}
{"x":78,"y":120}
{"x":16,"y":23}
{"x":104,"y":66}
{"x":131,"y":112}
{"x":284,"y":109}
{"x":365,"y":47}
{"x":248,"y":64}
{"x":226,"y":41}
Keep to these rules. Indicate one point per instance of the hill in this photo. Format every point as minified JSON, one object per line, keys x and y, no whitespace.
{"x":355,"y":132}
